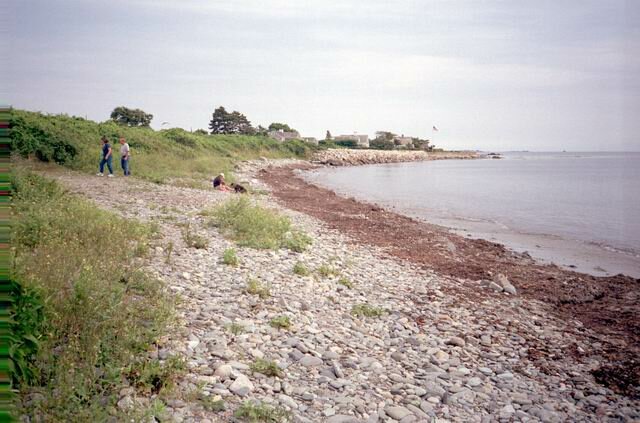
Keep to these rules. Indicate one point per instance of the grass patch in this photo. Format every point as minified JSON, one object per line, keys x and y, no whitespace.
{"x":366,"y":310}
{"x":256,"y":412}
{"x":254,"y":287}
{"x":254,"y":226}
{"x":300,"y":269}
{"x":235,"y":328}
{"x":266,"y":367}
{"x":345,"y":282}
{"x":326,"y":271}
{"x":280,"y":322}
{"x":158,"y":156}
{"x":192,"y":239}
{"x":211,"y":404}
{"x":229,"y":257}
{"x":86,"y":311}
{"x":153,"y":376}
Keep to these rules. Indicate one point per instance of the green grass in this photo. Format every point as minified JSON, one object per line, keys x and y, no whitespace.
{"x":280,"y":322}
{"x":86,"y":308}
{"x":345,"y":282}
{"x":366,"y":310}
{"x":254,"y":287}
{"x":235,"y":328}
{"x":155,"y":155}
{"x":257,"y":412}
{"x":266,"y":367}
{"x":192,"y":239}
{"x":326,"y":271}
{"x":229,"y":257}
{"x":153,"y":376}
{"x":251,"y":225}
{"x":300,"y":269}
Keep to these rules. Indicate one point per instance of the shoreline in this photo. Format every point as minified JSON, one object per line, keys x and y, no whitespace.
{"x":580,"y":255}
{"x":353,"y":157}
{"x":438,"y":351}
{"x":608,"y":305}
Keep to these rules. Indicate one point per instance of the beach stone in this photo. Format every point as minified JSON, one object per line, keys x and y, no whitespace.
{"x":397,"y":412}
{"x":242,"y":386}
{"x":456,"y":341}
{"x":341,"y":418}
{"x":310,"y":361}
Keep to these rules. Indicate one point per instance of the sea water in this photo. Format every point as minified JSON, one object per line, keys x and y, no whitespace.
{"x":578,"y":210}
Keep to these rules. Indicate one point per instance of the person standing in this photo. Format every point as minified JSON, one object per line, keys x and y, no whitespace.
{"x":107,"y":157}
{"x":124,"y":156}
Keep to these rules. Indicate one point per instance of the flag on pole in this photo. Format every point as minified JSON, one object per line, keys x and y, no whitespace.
{"x":434,"y":128}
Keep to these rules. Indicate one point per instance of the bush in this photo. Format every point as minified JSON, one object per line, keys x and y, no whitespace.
{"x":326,"y":271}
{"x":281,"y":322}
{"x":366,"y":310}
{"x":254,"y":226}
{"x":266,"y":367}
{"x":90,"y":309}
{"x":254,"y":287}
{"x":229,"y":257}
{"x":300,"y":269}
{"x":345,"y":282}
{"x":192,"y":239}
{"x":256,"y":412}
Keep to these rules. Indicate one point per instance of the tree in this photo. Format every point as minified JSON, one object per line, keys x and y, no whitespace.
{"x":223,"y":122}
{"x":328,"y":135}
{"x":383,"y":141}
{"x":131,"y":117}
{"x":275,"y":126}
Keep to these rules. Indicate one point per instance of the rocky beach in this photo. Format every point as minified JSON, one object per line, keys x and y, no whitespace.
{"x":379,"y":331}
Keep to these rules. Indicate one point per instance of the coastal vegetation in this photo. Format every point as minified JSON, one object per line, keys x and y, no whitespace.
{"x":159,"y":156}
{"x":68,"y":368}
{"x":252,"y":225}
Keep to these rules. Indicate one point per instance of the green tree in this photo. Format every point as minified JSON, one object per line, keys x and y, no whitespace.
{"x":275,"y":126}
{"x":223,"y":122}
{"x":383,"y":141}
{"x":131,"y":117}
{"x":328,"y":135}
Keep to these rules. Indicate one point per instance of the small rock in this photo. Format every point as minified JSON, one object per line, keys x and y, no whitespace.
{"x":456,"y":341}
{"x":397,"y":412}
{"x":310,"y":361}
{"x":242,"y":386}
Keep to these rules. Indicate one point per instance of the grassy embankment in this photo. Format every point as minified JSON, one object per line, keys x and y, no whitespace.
{"x":86,"y":315}
{"x":158,"y":156}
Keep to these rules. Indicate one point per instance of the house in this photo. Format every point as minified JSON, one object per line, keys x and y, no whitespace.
{"x":281,"y":135}
{"x":310,"y":140}
{"x":361,"y":140}
{"x":403,"y":141}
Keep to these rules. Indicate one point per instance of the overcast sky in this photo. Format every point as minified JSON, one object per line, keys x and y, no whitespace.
{"x":526,"y":75}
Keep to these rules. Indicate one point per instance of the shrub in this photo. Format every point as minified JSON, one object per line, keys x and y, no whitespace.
{"x":254,"y":287}
{"x":326,"y":271}
{"x":254,"y":226}
{"x":300,"y":269}
{"x":256,"y":412}
{"x":229,"y":257}
{"x":153,"y":376}
{"x":366,"y":310}
{"x":192,"y":239}
{"x":91,"y":311}
{"x":345,"y":282}
{"x":235,"y":328}
{"x":266,"y":367}
{"x":281,"y":322}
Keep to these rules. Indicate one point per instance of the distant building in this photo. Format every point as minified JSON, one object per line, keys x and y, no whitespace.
{"x":281,"y":135}
{"x":403,"y":141}
{"x":361,"y":140}
{"x":310,"y":140}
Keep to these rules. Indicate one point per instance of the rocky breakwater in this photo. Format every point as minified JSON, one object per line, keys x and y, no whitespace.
{"x":344,"y":157}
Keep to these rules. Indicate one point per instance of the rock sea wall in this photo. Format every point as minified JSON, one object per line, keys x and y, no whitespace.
{"x":346,"y":157}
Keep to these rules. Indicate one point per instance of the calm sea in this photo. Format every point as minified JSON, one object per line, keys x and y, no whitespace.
{"x":579,"y":210}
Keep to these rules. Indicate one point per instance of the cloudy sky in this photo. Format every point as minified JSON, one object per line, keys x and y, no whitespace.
{"x":535,"y":75}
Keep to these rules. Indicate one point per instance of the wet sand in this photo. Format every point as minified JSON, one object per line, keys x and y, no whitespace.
{"x":608,"y":306}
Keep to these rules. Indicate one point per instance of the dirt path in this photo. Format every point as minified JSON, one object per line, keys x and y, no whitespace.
{"x":610,"y":306}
